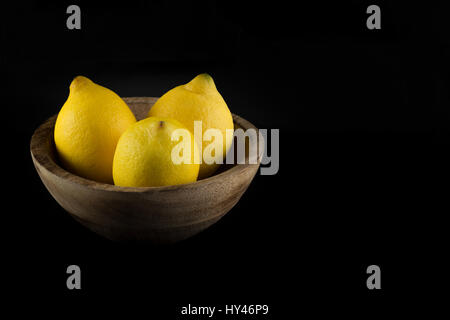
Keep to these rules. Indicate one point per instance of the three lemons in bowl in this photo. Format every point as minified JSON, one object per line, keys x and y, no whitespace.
{"x":97,"y":136}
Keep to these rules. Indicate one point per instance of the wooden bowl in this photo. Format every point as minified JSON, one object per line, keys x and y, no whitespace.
{"x":154,"y":214}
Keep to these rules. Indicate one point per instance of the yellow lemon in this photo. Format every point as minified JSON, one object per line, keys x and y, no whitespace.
{"x":198,"y":100}
{"x":88,"y":127}
{"x":156,"y":152}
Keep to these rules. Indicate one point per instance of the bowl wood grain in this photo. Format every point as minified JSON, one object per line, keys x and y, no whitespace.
{"x":154,"y":214}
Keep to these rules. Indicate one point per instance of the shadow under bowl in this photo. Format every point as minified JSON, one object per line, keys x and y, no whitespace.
{"x":153,"y":214}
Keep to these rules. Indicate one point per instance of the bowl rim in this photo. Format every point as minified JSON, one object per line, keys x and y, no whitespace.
{"x":40,"y":137}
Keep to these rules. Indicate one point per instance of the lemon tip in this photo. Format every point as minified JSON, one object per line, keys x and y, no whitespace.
{"x":78,"y":82}
{"x":202,"y":82}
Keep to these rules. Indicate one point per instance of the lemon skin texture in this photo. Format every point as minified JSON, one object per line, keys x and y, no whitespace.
{"x":88,"y":128}
{"x":143,"y":155}
{"x":198,"y":100}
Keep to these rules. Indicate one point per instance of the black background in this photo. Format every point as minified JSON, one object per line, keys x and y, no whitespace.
{"x":363,"y":118}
